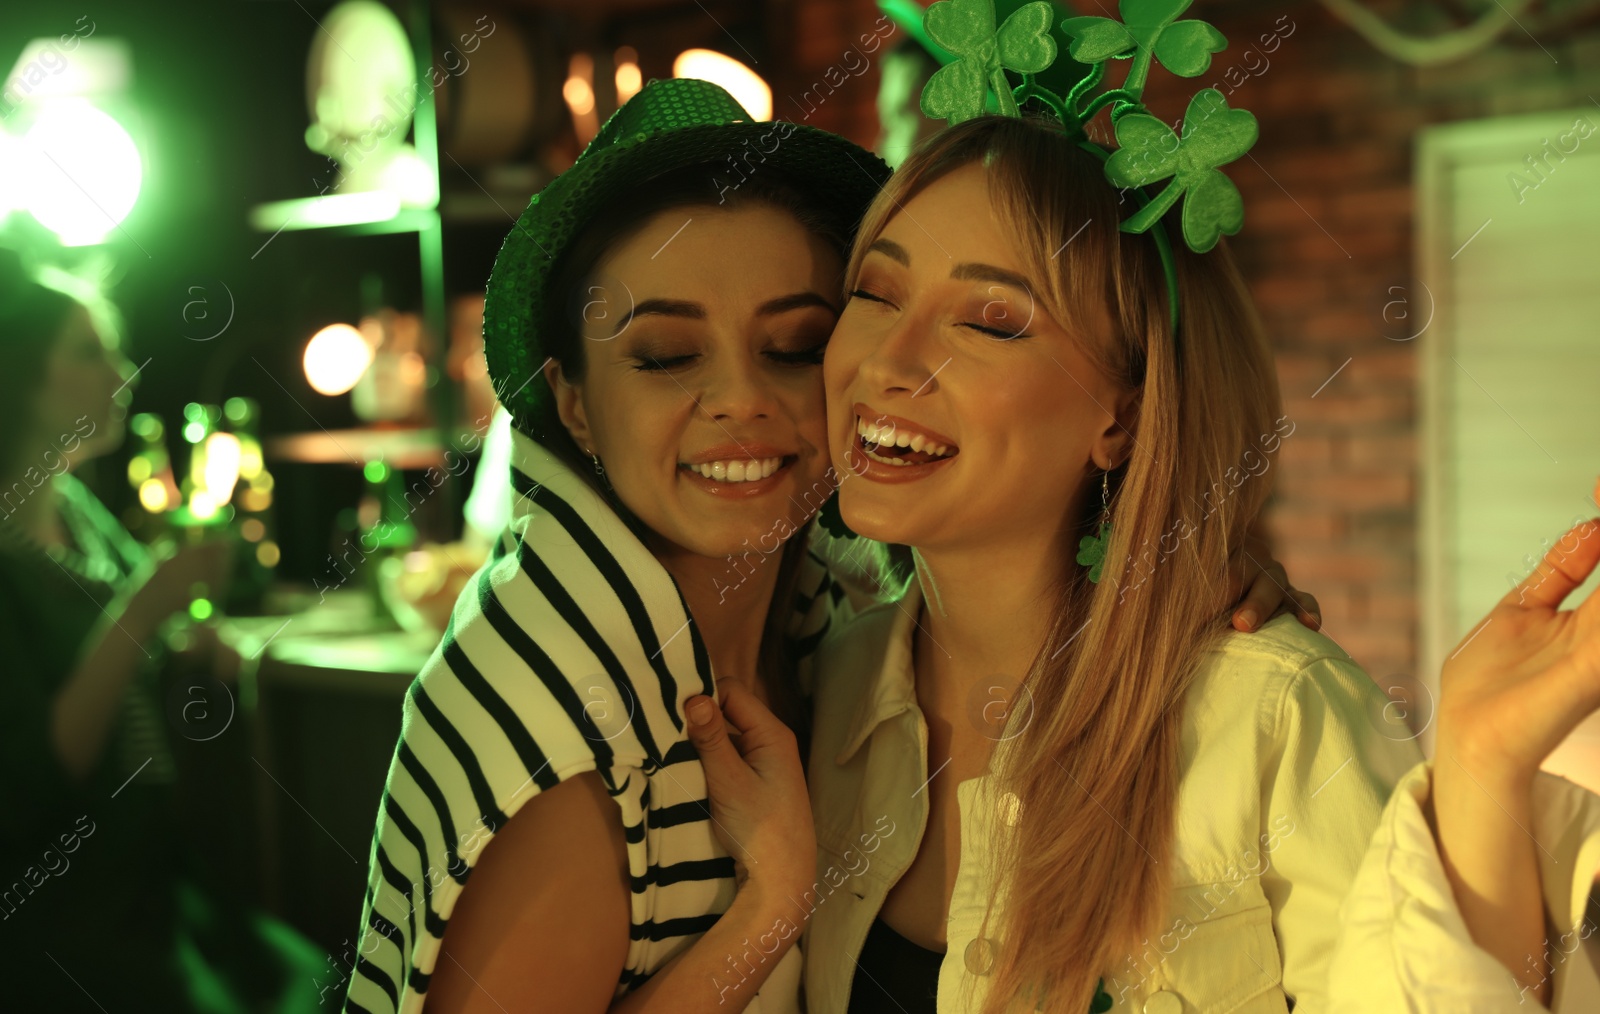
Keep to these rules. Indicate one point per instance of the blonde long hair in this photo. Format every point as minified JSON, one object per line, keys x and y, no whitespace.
{"x":1098,"y":764}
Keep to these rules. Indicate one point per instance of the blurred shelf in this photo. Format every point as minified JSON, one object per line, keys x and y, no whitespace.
{"x":398,"y":448}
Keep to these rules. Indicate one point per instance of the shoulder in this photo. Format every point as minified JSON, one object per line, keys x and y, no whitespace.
{"x":1273,"y":671}
{"x":1285,"y":692}
{"x":531,"y":670}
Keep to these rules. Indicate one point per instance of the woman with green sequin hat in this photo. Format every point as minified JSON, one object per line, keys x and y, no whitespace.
{"x":654,"y":324}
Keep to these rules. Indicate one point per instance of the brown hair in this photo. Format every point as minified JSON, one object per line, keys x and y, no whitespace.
{"x":1098,"y":763}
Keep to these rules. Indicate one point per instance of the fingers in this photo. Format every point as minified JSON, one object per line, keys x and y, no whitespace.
{"x":1267,"y":592}
{"x":707,"y":730}
{"x":761,"y":733}
{"x":1309,"y":610}
{"x":1566,"y":566}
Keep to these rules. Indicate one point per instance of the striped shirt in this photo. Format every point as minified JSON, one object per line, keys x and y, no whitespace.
{"x":571,"y":650}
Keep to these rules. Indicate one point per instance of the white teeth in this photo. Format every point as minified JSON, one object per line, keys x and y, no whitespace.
{"x":885,"y":436}
{"x":741,"y":470}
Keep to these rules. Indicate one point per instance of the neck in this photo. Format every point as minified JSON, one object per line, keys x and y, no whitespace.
{"x":729,"y":597}
{"x":986,"y":611}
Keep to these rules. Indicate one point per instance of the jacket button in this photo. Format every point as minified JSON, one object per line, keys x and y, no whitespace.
{"x":1010,"y":809}
{"x":1164,"y":1002}
{"x":979,"y":956}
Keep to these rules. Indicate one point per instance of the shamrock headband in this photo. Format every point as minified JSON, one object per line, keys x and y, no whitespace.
{"x":1148,"y":150}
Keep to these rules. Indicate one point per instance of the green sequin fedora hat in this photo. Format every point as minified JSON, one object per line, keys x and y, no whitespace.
{"x":668,"y":125}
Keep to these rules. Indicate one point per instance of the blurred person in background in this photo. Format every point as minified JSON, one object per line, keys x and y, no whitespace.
{"x":98,"y":910}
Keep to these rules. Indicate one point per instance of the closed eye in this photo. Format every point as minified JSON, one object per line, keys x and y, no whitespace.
{"x":864,"y":294}
{"x":651,"y":364}
{"x":995,"y":332}
{"x":799,"y":357}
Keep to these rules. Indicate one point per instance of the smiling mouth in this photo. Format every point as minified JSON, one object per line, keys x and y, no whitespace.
{"x":737,"y":470}
{"x":884,"y":443}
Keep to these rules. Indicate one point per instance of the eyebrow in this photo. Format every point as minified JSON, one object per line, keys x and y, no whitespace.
{"x":687,"y":310}
{"x":970,"y":271}
{"x":989,"y":273}
{"x":661,"y":308}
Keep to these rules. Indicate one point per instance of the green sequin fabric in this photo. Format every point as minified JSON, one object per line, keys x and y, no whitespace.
{"x":668,"y":125}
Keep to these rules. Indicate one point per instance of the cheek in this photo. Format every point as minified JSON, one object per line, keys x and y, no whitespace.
{"x":839,"y":364}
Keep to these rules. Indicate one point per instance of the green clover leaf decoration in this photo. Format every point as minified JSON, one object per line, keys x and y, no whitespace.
{"x":1092,"y":551}
{"x":1148,"y":27}
{"x":1213,"y":135}
{"x":957,"y":91}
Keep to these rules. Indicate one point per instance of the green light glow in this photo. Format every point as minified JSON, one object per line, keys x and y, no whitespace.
{"x":320,"y":212}
{"x":81,"y":173}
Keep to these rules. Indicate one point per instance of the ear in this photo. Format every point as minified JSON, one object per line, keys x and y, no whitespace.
{"x":1115,"y":444}
{"x":569,"y":406}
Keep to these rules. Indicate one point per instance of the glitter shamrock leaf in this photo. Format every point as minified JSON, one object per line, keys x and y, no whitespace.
{"x":1148,"y":28}
{"x":957,"y":91}
{"x":1213,"y":135}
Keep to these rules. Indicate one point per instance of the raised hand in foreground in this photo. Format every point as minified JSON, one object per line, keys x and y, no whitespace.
{"x":1518,"y":684}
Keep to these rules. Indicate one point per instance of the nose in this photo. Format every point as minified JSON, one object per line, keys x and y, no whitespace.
{"x":904,"y":359}
{"x":736,"y":390}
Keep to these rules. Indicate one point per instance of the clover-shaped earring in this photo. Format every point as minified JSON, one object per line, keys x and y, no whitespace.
{"x":957,"y":91}
{"x":1213,"y":135}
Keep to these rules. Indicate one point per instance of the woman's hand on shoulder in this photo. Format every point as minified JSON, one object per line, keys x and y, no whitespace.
{"x":1260,"y":586}
{"x":757,"y":783}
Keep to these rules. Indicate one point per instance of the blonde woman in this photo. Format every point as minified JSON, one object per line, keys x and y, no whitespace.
{"x":1025,"y":781}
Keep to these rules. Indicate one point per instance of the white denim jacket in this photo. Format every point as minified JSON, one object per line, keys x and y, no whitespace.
{"x":1404,"y":945}
{"x":1288,"y":757}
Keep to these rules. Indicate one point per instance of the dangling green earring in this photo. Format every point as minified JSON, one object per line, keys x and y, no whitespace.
{"x":1092,"y":548}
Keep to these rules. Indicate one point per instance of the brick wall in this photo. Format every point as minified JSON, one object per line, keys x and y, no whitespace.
{"x":1327,"y":244}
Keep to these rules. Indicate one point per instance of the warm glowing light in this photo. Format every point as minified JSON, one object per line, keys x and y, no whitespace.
{"x":252,"y":530}
{"x":249,"y":457}
{"x":222,"y":466}
{"x":335,"y":359}
{"x":138,"y":469}
{"x":579,"y":93}
{"x":267,"y":554}
{"x":629,"y":80}
{"x":82,"y":171}
{"x":203,"y":505}
{"x":744,"y":84}
{"x":255,"y":500}
{"x":153,"y":496}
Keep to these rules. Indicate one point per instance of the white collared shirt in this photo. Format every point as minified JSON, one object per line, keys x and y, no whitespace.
{"x":1288,"y":756}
